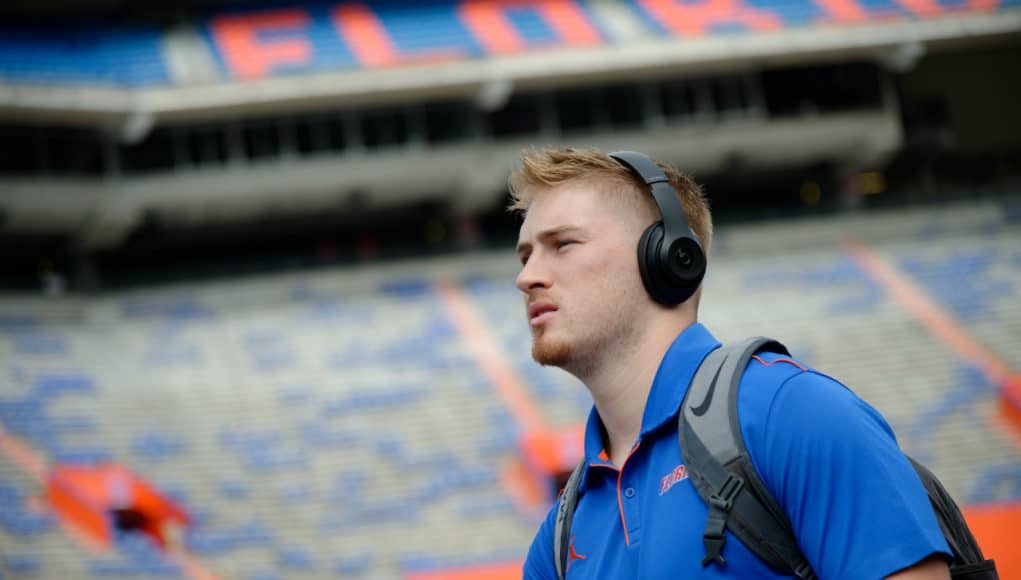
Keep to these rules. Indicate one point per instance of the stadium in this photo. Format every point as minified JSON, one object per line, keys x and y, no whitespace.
{"x":258,"y":317}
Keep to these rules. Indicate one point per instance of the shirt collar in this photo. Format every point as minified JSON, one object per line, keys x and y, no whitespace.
{"x":668,"y":389}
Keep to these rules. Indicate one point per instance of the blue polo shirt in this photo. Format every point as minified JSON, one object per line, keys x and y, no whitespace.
{"x":832,"y":462}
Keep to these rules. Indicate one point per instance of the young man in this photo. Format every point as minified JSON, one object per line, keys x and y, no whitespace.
{"x":855,"y":503}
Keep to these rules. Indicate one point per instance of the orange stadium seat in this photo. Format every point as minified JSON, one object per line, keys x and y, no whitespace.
{"x":997,"y":528}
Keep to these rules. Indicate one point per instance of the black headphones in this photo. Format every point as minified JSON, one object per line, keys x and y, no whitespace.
{"x":670,"y":255}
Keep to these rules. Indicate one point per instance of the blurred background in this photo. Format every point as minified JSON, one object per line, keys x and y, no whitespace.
{"x":257,"y":305}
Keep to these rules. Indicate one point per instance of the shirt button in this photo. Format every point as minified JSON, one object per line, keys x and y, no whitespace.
{"x":629,"y":492}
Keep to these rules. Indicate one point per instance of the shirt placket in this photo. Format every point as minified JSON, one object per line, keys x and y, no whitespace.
{"x":629,"y":501}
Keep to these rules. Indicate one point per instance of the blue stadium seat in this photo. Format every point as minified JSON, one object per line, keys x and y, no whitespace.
{"x":418,"y":562}
{"x":119,"y":569}
{"x":474,"y":508}
{"x":37,"y":343}
{"x":165,"y":353}
{"x":436,"y":457}
{"x":263,"y":462}
{"x":348,"y":488}
{"x":294,"y":493}
{"x":26,"y":417}
{"x":406,"y":289}
{"x":268,"y":350}
{"x":139,"y":556}
{"x":240,"y":441}
{"x":18,"y":322}
{"x":232,"y":489}
{"x":999,"y":483}
{"x":970,"y":385}
{"x":49,"y":385}
{"x":263,"y":575}
{"x":81,"y":454}
{"x":295,"y":558}
{"x":178,"y":310}
{"x":73,"y":424}
{"x":317,"y":435}
{"x":440,"y":327}
{"x":354,"y":565}
{"x":295,"y":395}
{"x":389,"y":447}
{"x":15,"y":518}
{"x":217,"y":541}
{"x":157,"y":446}
{"x":18,"y":411}
{"x":960,"y":280}
{"x":23,"y":564}
{"x":498,"y":441}
{"x":365,"y":400}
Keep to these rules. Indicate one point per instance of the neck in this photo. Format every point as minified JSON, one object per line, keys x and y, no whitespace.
{"x":620,"y":385}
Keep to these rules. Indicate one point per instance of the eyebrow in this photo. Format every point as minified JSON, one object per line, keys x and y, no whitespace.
{"x":546,"y":234}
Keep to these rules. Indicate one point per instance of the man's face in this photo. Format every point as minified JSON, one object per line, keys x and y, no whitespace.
{"x":579,"y":275}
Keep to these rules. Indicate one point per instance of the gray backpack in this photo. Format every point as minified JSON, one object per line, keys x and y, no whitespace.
{"x":721,"y":469}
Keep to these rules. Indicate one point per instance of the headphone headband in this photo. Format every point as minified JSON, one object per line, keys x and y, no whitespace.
{"x":670,"y":255}
{"x":670,"y":209}
{"x":641,"y":165}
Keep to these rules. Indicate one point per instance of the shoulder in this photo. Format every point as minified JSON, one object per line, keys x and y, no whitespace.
{"x":539,"y":563}
{"x":783,"y":400}
{"x":792,"y":414}
{"x":821,"y":405}
{"x":769,"y":370}
{"x":772,"y":384}
{"x":833,"y":464}
{"x":775,"y":386}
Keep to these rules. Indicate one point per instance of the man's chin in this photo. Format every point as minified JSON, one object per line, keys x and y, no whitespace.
{"x":550,"y":352}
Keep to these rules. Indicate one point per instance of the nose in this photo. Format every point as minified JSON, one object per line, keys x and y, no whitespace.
{"x":532,"y":275}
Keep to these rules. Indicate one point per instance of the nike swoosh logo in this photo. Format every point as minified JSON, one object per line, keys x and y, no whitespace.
{"x":704,"y":405}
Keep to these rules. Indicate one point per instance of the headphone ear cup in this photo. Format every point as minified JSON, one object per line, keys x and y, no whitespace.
{"x":665,"y":285}
{"x":649,"y":263}
{"x":686,"y":265}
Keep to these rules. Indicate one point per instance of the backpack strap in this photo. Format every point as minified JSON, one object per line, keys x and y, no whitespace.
{"x":968,"y":563}
{"x":565,"y":517}
{"x":721,"y":469}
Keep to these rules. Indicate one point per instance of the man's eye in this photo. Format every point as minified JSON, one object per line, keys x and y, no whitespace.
{"x":563,"y":243}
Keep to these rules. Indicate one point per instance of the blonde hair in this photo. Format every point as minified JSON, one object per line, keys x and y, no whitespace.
{"x":544,"y":169}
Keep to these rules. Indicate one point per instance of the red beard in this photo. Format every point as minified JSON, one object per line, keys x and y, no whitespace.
{"x":549,"y":352}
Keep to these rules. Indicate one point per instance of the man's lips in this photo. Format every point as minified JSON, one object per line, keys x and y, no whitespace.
{"x":540,"y":311}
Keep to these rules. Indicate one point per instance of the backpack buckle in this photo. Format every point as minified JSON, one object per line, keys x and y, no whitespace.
{"x":713,"y":549}
{"x":713,"y":538}
{"x":724,"y":498}
{"x":720,"y":504}
{"x":804,"y":570}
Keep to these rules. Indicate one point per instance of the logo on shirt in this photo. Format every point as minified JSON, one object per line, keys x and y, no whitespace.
{"x":680,"y":473}
{"x":572,"y":555}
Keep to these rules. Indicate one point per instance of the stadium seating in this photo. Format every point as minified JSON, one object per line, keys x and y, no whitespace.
{"x":336,"y":423}
{"x":284,"y":39}
{"x":82,"y":55}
